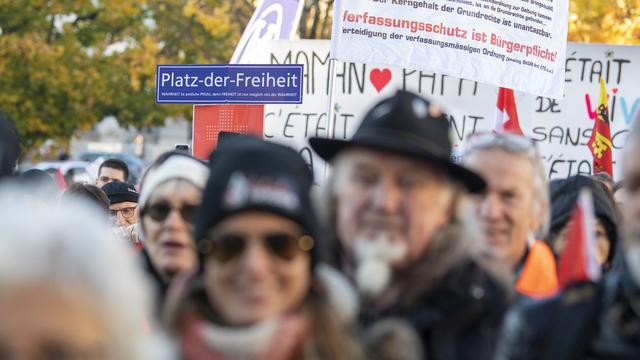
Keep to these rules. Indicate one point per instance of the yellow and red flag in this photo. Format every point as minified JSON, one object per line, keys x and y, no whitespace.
{"x":600,"y":141}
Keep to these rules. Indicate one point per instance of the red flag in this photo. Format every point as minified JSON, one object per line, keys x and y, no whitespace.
{"x":507,"y":114}
{"x":62,"y":184}
{"x":578,"y":259}
{"x":600,"y":141}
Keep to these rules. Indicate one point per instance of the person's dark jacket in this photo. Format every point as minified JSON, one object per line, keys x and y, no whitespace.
{"x":585,"y":321}
{"x":460,"y":317}
{"x":454,"y":302}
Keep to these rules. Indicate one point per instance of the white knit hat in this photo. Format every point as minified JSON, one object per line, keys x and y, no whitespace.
{"x":176,"y":167}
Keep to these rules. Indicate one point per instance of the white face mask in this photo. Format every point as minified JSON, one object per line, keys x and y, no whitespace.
{"x":374,"y":263}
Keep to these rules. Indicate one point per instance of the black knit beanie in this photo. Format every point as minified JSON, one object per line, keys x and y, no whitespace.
{"x":247,"y":174}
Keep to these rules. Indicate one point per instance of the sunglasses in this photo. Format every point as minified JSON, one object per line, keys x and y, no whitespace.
{"x":227,"y":247}
{"x":510,"y":142}
{"x":161,"y":210}
{"x":127,"y":212}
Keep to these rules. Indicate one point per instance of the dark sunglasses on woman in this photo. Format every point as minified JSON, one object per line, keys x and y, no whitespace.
{"x":229,"y":246}
{"x":160,"y":211}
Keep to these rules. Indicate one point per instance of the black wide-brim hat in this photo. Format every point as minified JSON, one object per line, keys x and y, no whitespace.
{"x":405,"y":124}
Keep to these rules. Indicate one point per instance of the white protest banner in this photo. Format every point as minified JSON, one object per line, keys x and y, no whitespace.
{"x":518,"y":44}
{"x":560,"y":128}
{"x":563,"y":128}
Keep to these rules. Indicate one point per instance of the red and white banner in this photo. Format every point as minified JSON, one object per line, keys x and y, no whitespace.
{"x":507,"y":113}
{"x":578,"y":262}
{"x":516,"y":44}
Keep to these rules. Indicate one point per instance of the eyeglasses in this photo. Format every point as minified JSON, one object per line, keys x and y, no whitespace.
{"x":510,"y":142}
{"x":230,"y":246}
{"x":127,"y":212}
{"x":161,"y":210}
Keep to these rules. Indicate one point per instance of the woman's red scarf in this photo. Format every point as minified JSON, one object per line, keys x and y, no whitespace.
{"x":285,"y":343}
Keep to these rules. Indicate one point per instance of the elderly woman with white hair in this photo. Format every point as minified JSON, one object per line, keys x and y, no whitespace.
{"x":68,"y":288}
{"x":170,"y":193}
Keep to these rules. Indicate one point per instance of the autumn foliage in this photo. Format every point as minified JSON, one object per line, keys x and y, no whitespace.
{"x":64,"y":65}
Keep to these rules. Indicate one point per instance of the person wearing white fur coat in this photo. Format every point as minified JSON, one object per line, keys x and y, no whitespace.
{"x":401,"y":230}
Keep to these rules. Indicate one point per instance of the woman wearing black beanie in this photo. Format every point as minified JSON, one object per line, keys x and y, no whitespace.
{"x":259,"y":292}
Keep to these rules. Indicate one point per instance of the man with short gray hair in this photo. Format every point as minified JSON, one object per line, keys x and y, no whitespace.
{"x":514,"y":208}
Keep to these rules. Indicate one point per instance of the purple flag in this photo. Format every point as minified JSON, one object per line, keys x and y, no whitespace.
{"x":272,"y":20}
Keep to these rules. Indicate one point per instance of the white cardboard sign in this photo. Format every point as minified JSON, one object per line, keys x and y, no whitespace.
{"x":518,"y":44}
{"x":561,"y":129}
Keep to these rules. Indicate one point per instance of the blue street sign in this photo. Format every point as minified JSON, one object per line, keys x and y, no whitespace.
{"x":229,"y":84}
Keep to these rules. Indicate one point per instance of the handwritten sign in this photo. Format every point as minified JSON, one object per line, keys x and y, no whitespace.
{"x":518,"y":44}
{"x":560,"y":128}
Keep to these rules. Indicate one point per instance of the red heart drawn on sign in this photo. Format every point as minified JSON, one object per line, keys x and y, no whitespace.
{"x":615,"y":91}
{"x":380,"y":78}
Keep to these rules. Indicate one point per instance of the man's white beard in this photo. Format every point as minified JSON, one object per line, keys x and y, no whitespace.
{"x":374,"y":260}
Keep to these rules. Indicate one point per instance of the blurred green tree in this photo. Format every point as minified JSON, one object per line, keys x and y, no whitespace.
{"x":66,"y":64}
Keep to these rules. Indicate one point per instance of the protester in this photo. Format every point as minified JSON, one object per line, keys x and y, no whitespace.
{"x":68,"y":289}
{"x":123,"y":213}
{"x":9,"y":146}
{"x":404,"y":233}
{"x":112,"y":170}
{"x":88,"y":193}
{"x":258,"y":293}
{"x":169,"y":196}
{"x":123,"y":202}
{"x":588,"y":320}
{"x":514,"y":209}
{"x":564,"y":194}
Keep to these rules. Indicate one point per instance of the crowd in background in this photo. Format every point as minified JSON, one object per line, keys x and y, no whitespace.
{"x":400,"y":254}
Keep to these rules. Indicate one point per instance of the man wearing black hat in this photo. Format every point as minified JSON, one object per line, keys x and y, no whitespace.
{"x":402,"y":230}
{"x":123,"y":201}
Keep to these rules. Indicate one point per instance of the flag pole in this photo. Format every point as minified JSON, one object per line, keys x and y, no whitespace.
{"x":330,"y":110}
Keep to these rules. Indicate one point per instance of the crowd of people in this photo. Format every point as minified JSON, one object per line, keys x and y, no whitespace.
{"x":400,"y":254}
